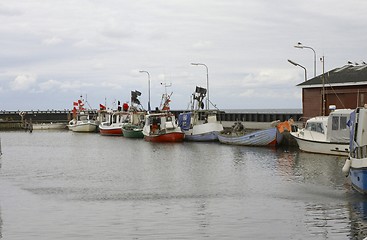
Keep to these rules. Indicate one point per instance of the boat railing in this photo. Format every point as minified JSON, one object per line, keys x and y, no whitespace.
{"x":359,"y":152}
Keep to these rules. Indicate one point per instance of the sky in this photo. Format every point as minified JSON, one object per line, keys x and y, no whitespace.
{"x":52,"y":52}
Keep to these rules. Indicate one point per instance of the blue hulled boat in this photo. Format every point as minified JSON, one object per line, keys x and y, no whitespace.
{"x":196,"y":129}
{"x":356,"y":164}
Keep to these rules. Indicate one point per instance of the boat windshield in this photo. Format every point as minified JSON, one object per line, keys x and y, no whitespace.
{"x":315,"y":127}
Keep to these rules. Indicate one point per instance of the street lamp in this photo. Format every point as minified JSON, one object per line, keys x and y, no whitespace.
{"x":322,"y":59}
{"x":141,"y":71}
{"x":300,"y":45}
{"x":299,"y":65}
{"x":207,"y":82}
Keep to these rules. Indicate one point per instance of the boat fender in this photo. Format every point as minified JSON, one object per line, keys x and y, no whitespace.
{"x":346,"y":167}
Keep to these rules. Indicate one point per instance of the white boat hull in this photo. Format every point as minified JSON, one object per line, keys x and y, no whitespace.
{"x":83,"y":127}
{"x":49,"y":126}
{"x":339,"y":149}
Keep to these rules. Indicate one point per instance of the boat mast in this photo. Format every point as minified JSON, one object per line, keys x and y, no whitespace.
{"x":166,"y":97}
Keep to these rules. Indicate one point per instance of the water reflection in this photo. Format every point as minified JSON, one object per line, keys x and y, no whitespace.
{"x":327,"y":220}
{"x":203,"y":217}
{"x":194,"y":190}
{"x":311,"y":168}
{"x":1,"y":225}
{"x":329,"y":213}
{"x":358,"y":217}
{"x":314,"y":181}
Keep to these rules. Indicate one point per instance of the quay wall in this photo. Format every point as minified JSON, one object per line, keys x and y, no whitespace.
{"x":14,"y":119}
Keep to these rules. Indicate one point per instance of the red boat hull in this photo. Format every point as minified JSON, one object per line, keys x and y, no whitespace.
{"x":168,"y":137}
{"x":111,"y":132}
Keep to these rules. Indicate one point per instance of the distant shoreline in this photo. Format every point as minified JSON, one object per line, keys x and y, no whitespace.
{"x":275,"y":111}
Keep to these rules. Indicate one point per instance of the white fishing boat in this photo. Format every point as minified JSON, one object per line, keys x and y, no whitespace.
{"x":356,"y":165}
{"x":81,"y":121}
{"x":325,"y":134}
{"x":197,"y":129}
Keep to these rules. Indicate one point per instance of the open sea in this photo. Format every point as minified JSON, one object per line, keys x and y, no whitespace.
{"x":65,"y":185}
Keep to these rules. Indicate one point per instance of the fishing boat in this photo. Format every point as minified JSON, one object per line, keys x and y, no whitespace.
{"x":239,"y":135}
{"x":132,"y":131}
{"x":325,"y":134}
{"x":356,"y":164}
{"x":114,"y":122}
{"x":196,"y":129}
{"x":134,"y":128}
{"x":82,"y":121}
{"x":162,"y":126}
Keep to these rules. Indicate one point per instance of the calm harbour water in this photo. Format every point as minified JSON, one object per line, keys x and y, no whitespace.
{"x":64,"y":185}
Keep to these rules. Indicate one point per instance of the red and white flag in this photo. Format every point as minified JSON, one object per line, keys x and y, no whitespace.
{"x":102,"y":107}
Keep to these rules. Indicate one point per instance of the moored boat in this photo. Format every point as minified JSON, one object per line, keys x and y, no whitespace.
{"x":134,"y":129}
{"x":238,"y":135}
{"x":162,"y":126}
{"x":325,"y":134}
{"x":196,"y":129}
{"x":114,"y":122}
{"x":356,"y":164}
{"x":81,"y":121}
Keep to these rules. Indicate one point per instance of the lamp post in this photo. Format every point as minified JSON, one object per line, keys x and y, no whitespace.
{"x":323,"y":100}
{"x":141,"y":71}
{"x":299,"y":65}
{"x":300,"y":45}
{"x":207,"y":82}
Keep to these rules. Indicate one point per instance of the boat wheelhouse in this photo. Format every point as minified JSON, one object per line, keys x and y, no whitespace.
{"x":325,"y":134}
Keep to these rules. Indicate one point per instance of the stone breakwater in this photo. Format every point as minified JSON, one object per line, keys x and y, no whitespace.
{"x":254,"y":120}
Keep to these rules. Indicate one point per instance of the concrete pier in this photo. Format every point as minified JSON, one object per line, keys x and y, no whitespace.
{"x":251,"y":120}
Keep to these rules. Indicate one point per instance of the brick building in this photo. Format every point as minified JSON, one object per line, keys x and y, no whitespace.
{"x":344,"y":87}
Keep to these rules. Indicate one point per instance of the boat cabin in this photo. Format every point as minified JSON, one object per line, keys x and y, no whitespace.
{"x":334,"y":127}
{"x":338,"y":129}
{"x":160,"y":122}
{"x":137,"y":118}
{"x":115,"y":117}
